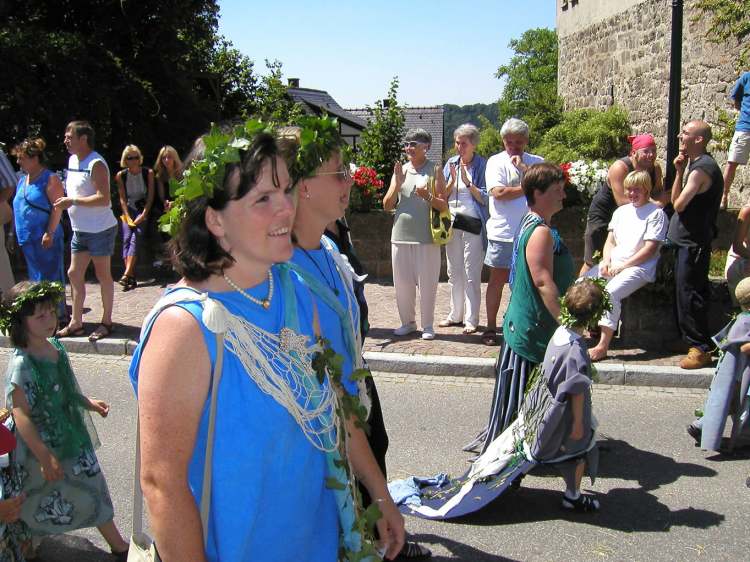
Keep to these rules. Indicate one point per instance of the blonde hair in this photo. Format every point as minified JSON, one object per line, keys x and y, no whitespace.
{"x":161,"y":171}
{"x":127,"y":151}
{"x":638,"y":178}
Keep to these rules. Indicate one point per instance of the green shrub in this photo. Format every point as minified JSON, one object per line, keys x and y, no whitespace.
{"x":490,"y":141}
{"x":589,"y":134}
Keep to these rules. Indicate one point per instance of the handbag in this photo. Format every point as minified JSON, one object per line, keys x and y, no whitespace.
{"x":142,"y":547}
{"x":440,"y":221}
{"x":467,"y":223}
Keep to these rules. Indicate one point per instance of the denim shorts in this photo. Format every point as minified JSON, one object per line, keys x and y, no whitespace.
{"x":95,"y":243}
{"x":499,"y":254}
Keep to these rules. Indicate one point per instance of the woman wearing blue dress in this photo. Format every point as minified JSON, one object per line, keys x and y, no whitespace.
{"x":37,"y":222}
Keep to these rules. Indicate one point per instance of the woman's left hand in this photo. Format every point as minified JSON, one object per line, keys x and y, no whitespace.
{"x":100,"y":407}
{"x":390,"y":528}
{"x":465,"y":176}
{"x":423,"y":191}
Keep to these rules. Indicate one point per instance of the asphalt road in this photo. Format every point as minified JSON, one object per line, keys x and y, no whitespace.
{"x":662,"y":498}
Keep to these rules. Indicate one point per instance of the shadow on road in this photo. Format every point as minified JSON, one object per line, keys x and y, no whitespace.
{"x":458,"y":550}
{"x":69,"y":548}
{"x":625,"y":509}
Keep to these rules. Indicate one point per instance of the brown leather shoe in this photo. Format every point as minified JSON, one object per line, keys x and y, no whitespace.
{"x":695,"y":359}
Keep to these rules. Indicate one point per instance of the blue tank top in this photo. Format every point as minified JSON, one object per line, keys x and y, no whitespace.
{"x":269,"y":500}
{"x":31,"y":209}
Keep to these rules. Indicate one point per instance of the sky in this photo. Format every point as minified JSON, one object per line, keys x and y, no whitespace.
{"x":442,"y":52}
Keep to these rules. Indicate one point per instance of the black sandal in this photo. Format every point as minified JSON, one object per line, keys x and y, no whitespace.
{"x":413,"y":551}
{"x":583,"y":504}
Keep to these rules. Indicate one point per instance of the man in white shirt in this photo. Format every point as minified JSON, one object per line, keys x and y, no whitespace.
{"x":94,"y":225}
{"x":507,"y":208}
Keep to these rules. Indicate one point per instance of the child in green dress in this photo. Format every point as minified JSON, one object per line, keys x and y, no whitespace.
{"x":54,"y":462}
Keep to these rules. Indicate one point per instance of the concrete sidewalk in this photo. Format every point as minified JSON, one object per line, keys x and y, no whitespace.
{"x":450,"y":353}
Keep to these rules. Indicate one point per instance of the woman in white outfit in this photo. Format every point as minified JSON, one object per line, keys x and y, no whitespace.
{"x":631,"y":252}
{"x":467,"y":197}
{"x":414,"y":257}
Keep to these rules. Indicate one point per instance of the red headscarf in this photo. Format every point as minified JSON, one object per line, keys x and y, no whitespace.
{"x":641,"y":141}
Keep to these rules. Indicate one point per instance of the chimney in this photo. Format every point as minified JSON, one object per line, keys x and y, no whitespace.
{"x":293,"y":82}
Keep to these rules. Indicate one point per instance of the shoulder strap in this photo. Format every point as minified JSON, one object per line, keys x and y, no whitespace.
{"x":205,"y":507}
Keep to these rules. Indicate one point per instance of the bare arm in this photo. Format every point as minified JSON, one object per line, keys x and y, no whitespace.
{"x":576,"y":408}
{"x":391,"y":525}
{"x":697,"y":182}
{"x":745,"y":348}
{"x":390,"y":199}
{"x":172,"y":388}
{"x":100,"y":180}
{"x":54,"y":192}
{"x":539,"y":256}
{"x":616,"y":177}
{"x":648,"y":251}
{"x":606,"y":264}
{"x":739,"y":243}
{"x":51,"y":469}
{"x":121,"y":194}
{"x":149,"y":194}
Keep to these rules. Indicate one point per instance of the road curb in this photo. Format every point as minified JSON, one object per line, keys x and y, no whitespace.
{"x":447,"y":365}
{"x":608,"y":373}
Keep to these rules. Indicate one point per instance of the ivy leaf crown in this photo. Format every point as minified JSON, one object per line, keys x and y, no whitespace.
{"x":568,"y":320}
{"x":38,"y":292}
{"x":319,"y":138}
{"x":207,"y":174}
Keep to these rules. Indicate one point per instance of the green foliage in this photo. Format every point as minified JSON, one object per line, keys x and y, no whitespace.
{"x":730,"y":20}
{"x":717,"y":263}
{"x":490,"y":141}
{"x":380,"y":143}
{"x":723,"y":130}
{"x":455,"y":115}
{"x":271,"y":101}
{"x":148,"y":73}
{"x":589,"y":134}
{"x":530,"y":92}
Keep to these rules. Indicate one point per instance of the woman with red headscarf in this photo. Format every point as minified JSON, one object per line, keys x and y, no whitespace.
{"x":612,"y":193}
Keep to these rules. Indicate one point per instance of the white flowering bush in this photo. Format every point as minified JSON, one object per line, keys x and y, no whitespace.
{"x":586,"y":176}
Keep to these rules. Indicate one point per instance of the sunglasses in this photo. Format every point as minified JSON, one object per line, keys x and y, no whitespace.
{"x":132,"y":158}
{"x":412,"y":144}
{"x":345,"y":174}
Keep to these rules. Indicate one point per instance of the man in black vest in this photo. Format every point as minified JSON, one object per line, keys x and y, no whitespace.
{"x":692,"y":228}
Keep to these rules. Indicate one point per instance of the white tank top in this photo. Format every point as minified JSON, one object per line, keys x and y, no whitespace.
{"x":78,"y":184}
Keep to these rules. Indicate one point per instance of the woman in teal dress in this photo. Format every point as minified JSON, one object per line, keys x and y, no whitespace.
{"x":541,"y":272}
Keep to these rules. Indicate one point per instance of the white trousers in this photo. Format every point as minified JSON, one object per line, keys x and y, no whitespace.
{"x":465,"y":258}
{"x":622,"y":285}
{"x":415,"y":265}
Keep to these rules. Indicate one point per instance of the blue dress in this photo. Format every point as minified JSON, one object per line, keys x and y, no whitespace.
{"x":32,"y":209}
{"x":269,"y":500}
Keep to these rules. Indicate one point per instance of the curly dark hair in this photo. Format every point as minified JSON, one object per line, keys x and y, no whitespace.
{"x":196,"y":254}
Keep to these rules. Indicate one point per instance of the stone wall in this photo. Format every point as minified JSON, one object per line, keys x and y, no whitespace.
{"x":624,"y":59}
{"x":371,"y":234}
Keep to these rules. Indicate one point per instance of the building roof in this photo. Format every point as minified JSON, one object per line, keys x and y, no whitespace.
{"x":428,"y":118}
{"x":318,"y":101}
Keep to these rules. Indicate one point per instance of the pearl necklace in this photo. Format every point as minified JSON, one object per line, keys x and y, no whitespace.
{"x":265,"y":303}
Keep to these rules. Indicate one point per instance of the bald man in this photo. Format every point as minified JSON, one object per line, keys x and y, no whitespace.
{"x":696,"y":196}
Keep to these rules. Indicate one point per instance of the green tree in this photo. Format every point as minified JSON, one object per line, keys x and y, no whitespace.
{"x":149,"y":73}
{"x":730,"y":20}
{"x":591,"y":134}
{"x":490,"y":141}
{"x":380,"y":143}
{"x":530,"y":91}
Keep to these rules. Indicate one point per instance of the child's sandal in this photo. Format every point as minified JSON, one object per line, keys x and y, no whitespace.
{"x":583,"y":504}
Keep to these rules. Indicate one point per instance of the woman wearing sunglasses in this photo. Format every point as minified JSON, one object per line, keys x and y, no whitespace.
{"x":414,"y":257}
{"x":135,"y":186}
